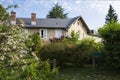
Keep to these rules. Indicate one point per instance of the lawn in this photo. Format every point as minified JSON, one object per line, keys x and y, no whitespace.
{"x":87,"y":73}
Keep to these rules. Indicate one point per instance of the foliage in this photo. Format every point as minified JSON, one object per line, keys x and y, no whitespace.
{"x":37,"y":71}
{"x":3,"y":14}
{"x":111,"y":15}
{"x":17,"y":61}
{"x":34,"y":43}
{"x":90,"y":45}
{"x":33,"y":71}
{"x":54,"y":51}
{"x":57,"y":12}
{"x":15,"y":57}
{"x":84,"y":51}
{"x":47,"y":74}
{"x":12,"y":6}
{"x":12,"y":45}
{"x":66,"y":52}
{"x":74,"y":36}
{"x":110,"y":34}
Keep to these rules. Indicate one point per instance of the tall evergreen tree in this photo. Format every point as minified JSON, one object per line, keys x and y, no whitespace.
{"x":111,"y":15}
{"x":57,"y":12}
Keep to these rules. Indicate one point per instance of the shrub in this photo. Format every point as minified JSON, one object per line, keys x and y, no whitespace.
{"x":12,"y":45}
{"x":110,"y":34}
{"x":17,"y":62}
{"x":34,"y":42}
{"x":66,"y":52}
{"x":84,"y":51}
{"x":54,"y":51}
{"x":33,"y":71}
{"x":74,"y":36}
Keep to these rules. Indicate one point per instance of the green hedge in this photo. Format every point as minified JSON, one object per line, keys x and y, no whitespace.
{"x":76,"y":53}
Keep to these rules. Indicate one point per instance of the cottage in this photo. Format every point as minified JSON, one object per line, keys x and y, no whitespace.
{"x":49,"y":28}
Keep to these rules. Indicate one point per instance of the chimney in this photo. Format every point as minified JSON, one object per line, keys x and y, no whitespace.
{"x":33,"y":18}
{"x":92,"y":31}
{"x":13,"y":17}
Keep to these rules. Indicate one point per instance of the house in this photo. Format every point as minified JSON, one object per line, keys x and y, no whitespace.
{"x":50,"y":28}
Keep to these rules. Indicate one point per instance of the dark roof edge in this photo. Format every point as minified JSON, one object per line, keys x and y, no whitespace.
{"x":80,"y":17}
{"x":46,"y":27}
{"x":72,"y":23}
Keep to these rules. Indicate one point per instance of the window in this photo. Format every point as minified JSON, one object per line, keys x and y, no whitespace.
{"x":43,"y":33}
{"x":58,"y":33}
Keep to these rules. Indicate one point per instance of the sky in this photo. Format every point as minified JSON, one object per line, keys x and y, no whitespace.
{"x":92,"y":11}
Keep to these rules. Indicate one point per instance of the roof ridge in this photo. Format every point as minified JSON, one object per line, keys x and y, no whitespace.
{"x":47,"y":18}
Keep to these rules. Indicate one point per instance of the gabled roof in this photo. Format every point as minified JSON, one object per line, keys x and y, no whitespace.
{"x":53,"y":23}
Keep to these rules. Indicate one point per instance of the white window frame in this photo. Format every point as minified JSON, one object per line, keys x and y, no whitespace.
{"x":56,"y":31}
{"x":45,"y":33}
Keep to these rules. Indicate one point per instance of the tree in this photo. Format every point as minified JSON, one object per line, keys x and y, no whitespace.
{"x":12,"y":6}
{"x":36,"y":40}
{"x":110,"y":34}
{"x":57,"y":12}
{"x":12,"y":45}
{"x":3,"y":14}
{"x":17,"y":61}
{"x":74,"y":36}
{"x":111,"y":15}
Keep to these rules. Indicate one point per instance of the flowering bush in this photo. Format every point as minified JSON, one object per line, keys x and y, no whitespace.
{"x":12,"y":45}
{"x":17,"y":61}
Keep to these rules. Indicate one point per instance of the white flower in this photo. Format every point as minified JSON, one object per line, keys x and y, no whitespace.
{"x":14,"y":47}
{"x":24,"y":61}
{"x":36,"y":58}
{"x":2,"y":57}
{"x":33,"y":54}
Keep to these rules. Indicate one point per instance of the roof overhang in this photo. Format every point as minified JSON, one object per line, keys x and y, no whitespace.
{"x":84,"y":23}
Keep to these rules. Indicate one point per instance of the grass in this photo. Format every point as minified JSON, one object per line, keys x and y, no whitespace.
{"x":87,"y":73}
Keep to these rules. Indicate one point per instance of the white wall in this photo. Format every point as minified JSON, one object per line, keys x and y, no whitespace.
{"x":79,"y":27}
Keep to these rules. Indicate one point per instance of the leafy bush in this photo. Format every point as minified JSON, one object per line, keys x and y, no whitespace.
{"x":66,"y":52}
{"x":84,"y":51}
{"x":34,"y":71}
{"x":17,"y":61}
{"x":54,"y":51}
{"x":74,"y":36}
{"x":110,"y":34}
{"x":12,"y":45}
{"x":34,"y":42}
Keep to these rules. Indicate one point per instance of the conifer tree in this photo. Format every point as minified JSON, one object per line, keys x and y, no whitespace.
{"x":57,"y":12}
{"x":111,"y":15}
